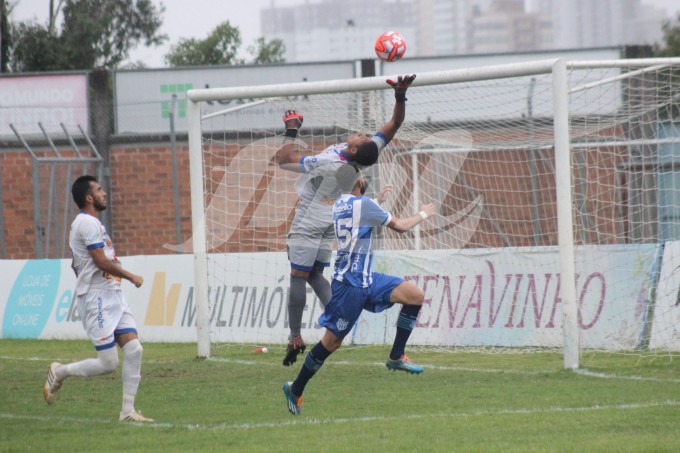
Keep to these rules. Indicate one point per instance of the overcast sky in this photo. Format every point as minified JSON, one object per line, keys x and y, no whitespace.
{"x":197,"y":18}
{"x":182,"y":19}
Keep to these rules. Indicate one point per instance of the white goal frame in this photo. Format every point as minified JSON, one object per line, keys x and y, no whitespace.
{"x":557,"y":68}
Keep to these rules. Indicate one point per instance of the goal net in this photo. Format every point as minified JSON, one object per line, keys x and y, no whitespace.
{"x":556,"y":186}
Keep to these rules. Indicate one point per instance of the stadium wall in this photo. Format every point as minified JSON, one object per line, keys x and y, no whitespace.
{"x":131,"y":132}
{"x":467,"y":301}
{"x":141,"y":202}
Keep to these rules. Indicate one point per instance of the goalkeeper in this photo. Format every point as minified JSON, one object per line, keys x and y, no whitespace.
{"x":310,"y":239}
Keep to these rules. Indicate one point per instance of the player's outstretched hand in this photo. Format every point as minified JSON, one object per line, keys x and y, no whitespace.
{"x":293,"y":120}
{"x":401,"y":85}
{"x":429,"y":209}
{"x":382,"y":195}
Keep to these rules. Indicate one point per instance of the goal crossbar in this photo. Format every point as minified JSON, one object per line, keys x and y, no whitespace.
{"x":423,"y":79}
{"x":370,"y":83}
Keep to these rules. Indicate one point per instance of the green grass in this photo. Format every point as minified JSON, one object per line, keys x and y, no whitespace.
{"x":233,"y":402}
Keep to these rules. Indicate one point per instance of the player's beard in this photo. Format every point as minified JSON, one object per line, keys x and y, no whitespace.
{"x":99,"y":206}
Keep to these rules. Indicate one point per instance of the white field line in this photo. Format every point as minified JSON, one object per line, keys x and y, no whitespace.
{"x":278,"y":364}
{"x":584,"y":372}
{"x":337,"y":421}
{"x":382,"y":365}
{"x":28,"y":359}
{"x":597,"y":374}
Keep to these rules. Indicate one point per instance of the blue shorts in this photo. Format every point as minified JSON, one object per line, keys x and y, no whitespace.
{"x":347,"y":302}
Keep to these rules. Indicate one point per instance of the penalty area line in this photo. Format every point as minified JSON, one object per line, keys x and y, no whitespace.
{"x":301,"y":421}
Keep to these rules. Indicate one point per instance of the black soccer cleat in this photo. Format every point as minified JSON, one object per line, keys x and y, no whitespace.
{"x":295,"y":346}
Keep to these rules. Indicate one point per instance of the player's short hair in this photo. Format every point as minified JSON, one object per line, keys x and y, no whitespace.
{"x":367,"y":153}
{"x":347,"y":176}
{"x":81,"y":188}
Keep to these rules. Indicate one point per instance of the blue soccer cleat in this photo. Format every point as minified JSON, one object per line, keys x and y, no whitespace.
{"x":294,"y":401}
{"x":403,"y":364}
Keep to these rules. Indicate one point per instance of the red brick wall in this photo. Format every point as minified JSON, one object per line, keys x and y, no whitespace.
{"x":17,"y":189}
{"x":142,"y":204}
{"x":142,"y":198}
{"x":140,"y":201}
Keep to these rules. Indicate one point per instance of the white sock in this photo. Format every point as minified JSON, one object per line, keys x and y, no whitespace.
{"x":128,"y":404}
{"x":132,"y":368}
{"x":107,"y":362}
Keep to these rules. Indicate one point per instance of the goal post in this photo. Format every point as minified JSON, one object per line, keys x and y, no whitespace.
{"x":565,"y":236}
{"x":547,"y":176}
{"x":198,"y":228}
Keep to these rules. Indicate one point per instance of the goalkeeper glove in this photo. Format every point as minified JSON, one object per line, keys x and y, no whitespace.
{"x":400,"y":86}
{"x":293,"y":121}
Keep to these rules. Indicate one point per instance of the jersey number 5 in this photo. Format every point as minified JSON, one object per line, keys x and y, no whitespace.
{"x":343,"y":230}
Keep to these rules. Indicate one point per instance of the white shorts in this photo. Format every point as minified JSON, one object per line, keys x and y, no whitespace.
{"x":104,"y":314}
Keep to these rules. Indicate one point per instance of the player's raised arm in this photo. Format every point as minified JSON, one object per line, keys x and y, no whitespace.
{"x":288,"y":157}
{"x":403,"y":225}
{"x":399,"y":113}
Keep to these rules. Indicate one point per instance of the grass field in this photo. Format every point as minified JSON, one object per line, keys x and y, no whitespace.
{"x":233,"y":402}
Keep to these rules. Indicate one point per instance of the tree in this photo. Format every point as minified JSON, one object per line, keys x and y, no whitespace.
{"x":4,"y":35}
{"x":669,"y":82}
{"x":219,"y":48}
{"x":94,"y":34}
{"x":671,"y":39}
{"x":267,"y":52}
{"x":36,"y":49}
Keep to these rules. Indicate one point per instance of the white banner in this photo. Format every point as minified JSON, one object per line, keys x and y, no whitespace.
{"x":509,"y":96}
{"x":666,"y":315}
{"x":144,"y":97}
{"x":49,"y":100}
{"x":494,"y":297}
{"x":510,"y":297}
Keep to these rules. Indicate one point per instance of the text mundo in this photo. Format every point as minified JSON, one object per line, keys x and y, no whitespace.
{"x":38,"y":97}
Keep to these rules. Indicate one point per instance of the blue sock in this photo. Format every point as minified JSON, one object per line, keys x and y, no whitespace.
{"x":405,"y":324}
{"x":313,"y":362}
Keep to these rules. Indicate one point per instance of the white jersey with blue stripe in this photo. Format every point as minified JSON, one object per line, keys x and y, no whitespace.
{"x":88,"y":233}
{"x":355,"y":218}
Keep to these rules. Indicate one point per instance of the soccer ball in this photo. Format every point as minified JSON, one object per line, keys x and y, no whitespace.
{"x":390,"y":46}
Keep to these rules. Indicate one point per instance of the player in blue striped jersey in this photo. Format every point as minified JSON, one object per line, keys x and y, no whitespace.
{"x":310,"y":238}
{"x":355,"y":287}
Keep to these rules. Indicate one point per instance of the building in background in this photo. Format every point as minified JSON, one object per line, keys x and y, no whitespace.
{"x":338,"y":29}
{"x":505,"y":26}
{"x":602,"y":23}
{"x":442,"y":27}
{"x":324,"y":30}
